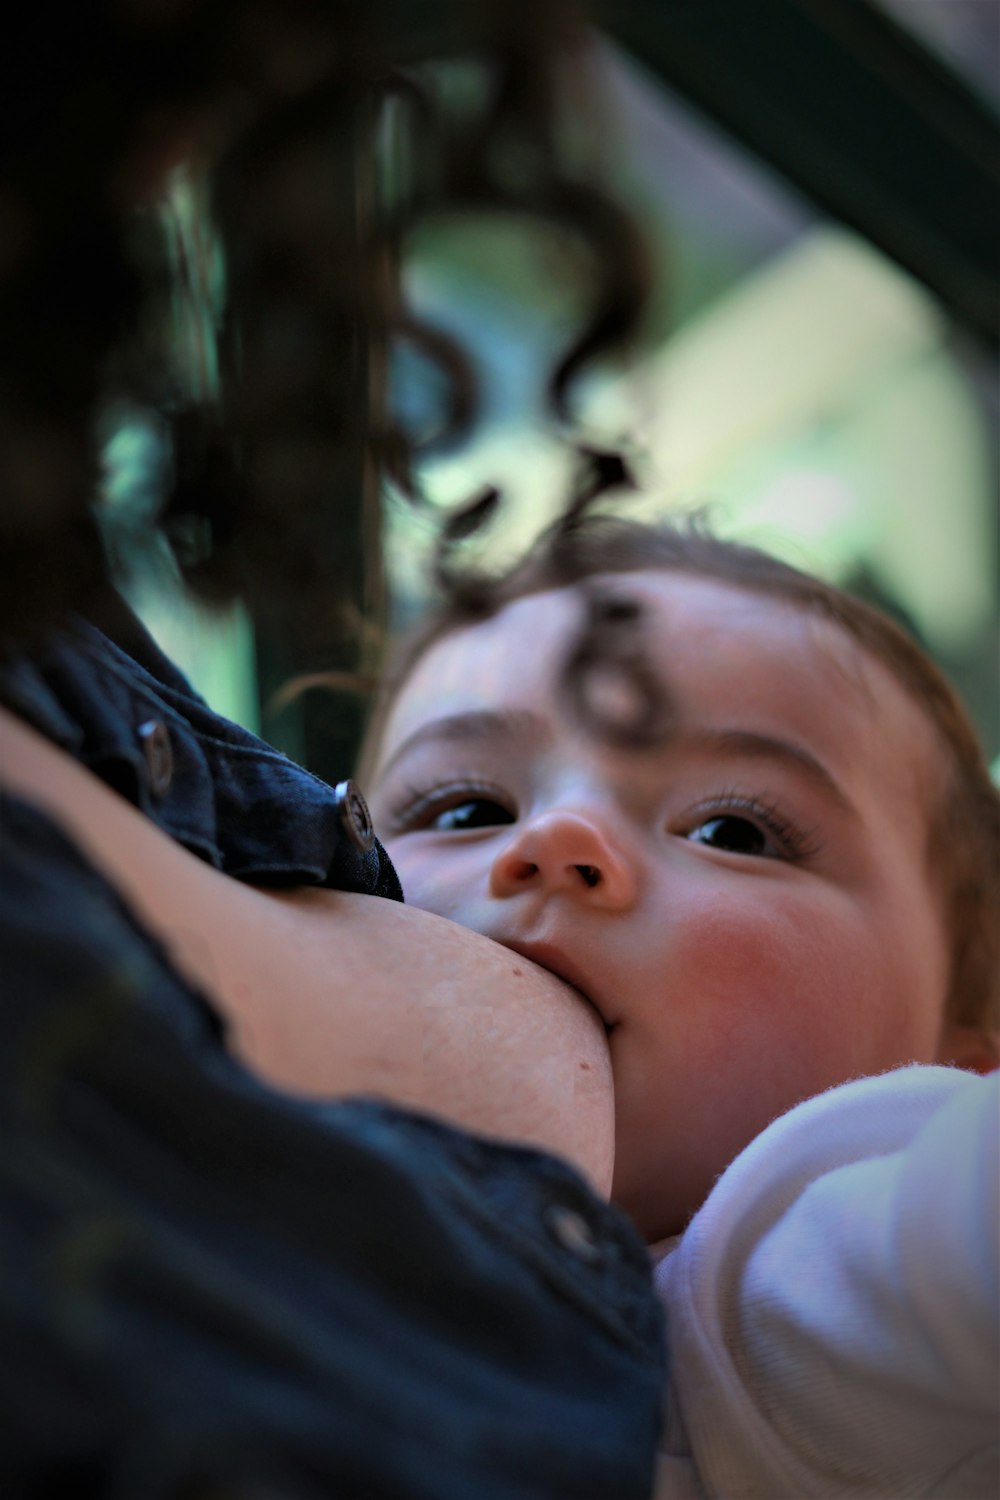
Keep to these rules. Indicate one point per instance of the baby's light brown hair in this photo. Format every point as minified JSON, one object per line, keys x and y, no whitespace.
{"x":963,"y":818}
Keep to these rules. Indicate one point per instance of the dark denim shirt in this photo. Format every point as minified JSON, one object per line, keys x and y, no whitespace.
{"x":210,"y":1289}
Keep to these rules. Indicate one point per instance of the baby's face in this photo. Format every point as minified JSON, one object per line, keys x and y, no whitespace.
{"x":747,"y":904}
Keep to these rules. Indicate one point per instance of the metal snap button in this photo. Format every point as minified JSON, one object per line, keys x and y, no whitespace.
{"x":154,"y":738}
{"x":572,"y":1231}
{"x":355,"y":819}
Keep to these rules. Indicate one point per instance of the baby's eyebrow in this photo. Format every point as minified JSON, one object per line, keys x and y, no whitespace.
{"x":506,"y":725}
{"x":473,"y":727}
{"x":754,"y":745}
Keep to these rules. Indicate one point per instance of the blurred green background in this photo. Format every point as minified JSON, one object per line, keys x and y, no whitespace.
{"x":816,"y":367}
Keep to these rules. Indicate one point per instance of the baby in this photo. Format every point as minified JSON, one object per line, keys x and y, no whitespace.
{"x":792,"y":884}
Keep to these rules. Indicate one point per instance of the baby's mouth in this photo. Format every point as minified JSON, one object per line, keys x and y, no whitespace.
{"x":553,"y":958}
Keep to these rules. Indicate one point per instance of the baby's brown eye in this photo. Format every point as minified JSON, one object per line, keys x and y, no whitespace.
{"x":474,"y":812}
{"x":734,"y":835}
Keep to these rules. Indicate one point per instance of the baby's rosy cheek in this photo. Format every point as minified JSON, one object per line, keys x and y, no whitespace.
{"x":766,"y":967}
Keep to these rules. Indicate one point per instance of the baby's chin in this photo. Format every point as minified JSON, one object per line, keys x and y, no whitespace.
{"x":660,"y":1199}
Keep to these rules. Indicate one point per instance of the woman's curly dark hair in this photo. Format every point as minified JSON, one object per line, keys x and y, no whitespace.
{"x":275,"y":105}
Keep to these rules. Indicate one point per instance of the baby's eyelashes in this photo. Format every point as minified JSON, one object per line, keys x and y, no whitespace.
{"x":451,"y":808}
{"x":730,"y":822}
{"x":756,"y":827}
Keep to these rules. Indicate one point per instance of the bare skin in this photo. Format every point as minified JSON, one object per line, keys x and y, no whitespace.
{"x":749,"y":904}
{"x":328,"y":993}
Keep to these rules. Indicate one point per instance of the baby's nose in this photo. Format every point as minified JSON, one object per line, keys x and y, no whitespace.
{"x":568,"y":852}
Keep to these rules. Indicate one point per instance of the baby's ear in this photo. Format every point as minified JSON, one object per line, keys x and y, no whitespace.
{"x":969,"y":1047}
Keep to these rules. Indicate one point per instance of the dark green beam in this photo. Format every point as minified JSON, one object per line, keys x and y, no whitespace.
{"x":834,"y":95}
{"x":855,"y":113}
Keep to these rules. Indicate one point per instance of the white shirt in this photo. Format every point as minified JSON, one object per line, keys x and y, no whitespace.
{"x":834,"y":1308}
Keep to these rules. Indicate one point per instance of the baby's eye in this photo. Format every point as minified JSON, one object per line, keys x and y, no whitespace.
{"x":754,"y":826}
{"x":453,"y":806}
{"x":474,"y":812}
{"x":733,"y":834}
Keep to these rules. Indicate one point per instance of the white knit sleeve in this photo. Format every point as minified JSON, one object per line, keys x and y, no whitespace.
{"x":834,"y":1308}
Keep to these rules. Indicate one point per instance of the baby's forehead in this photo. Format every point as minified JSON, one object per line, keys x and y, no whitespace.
{"x":676,"y":618}
{"x":702,"y":636}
